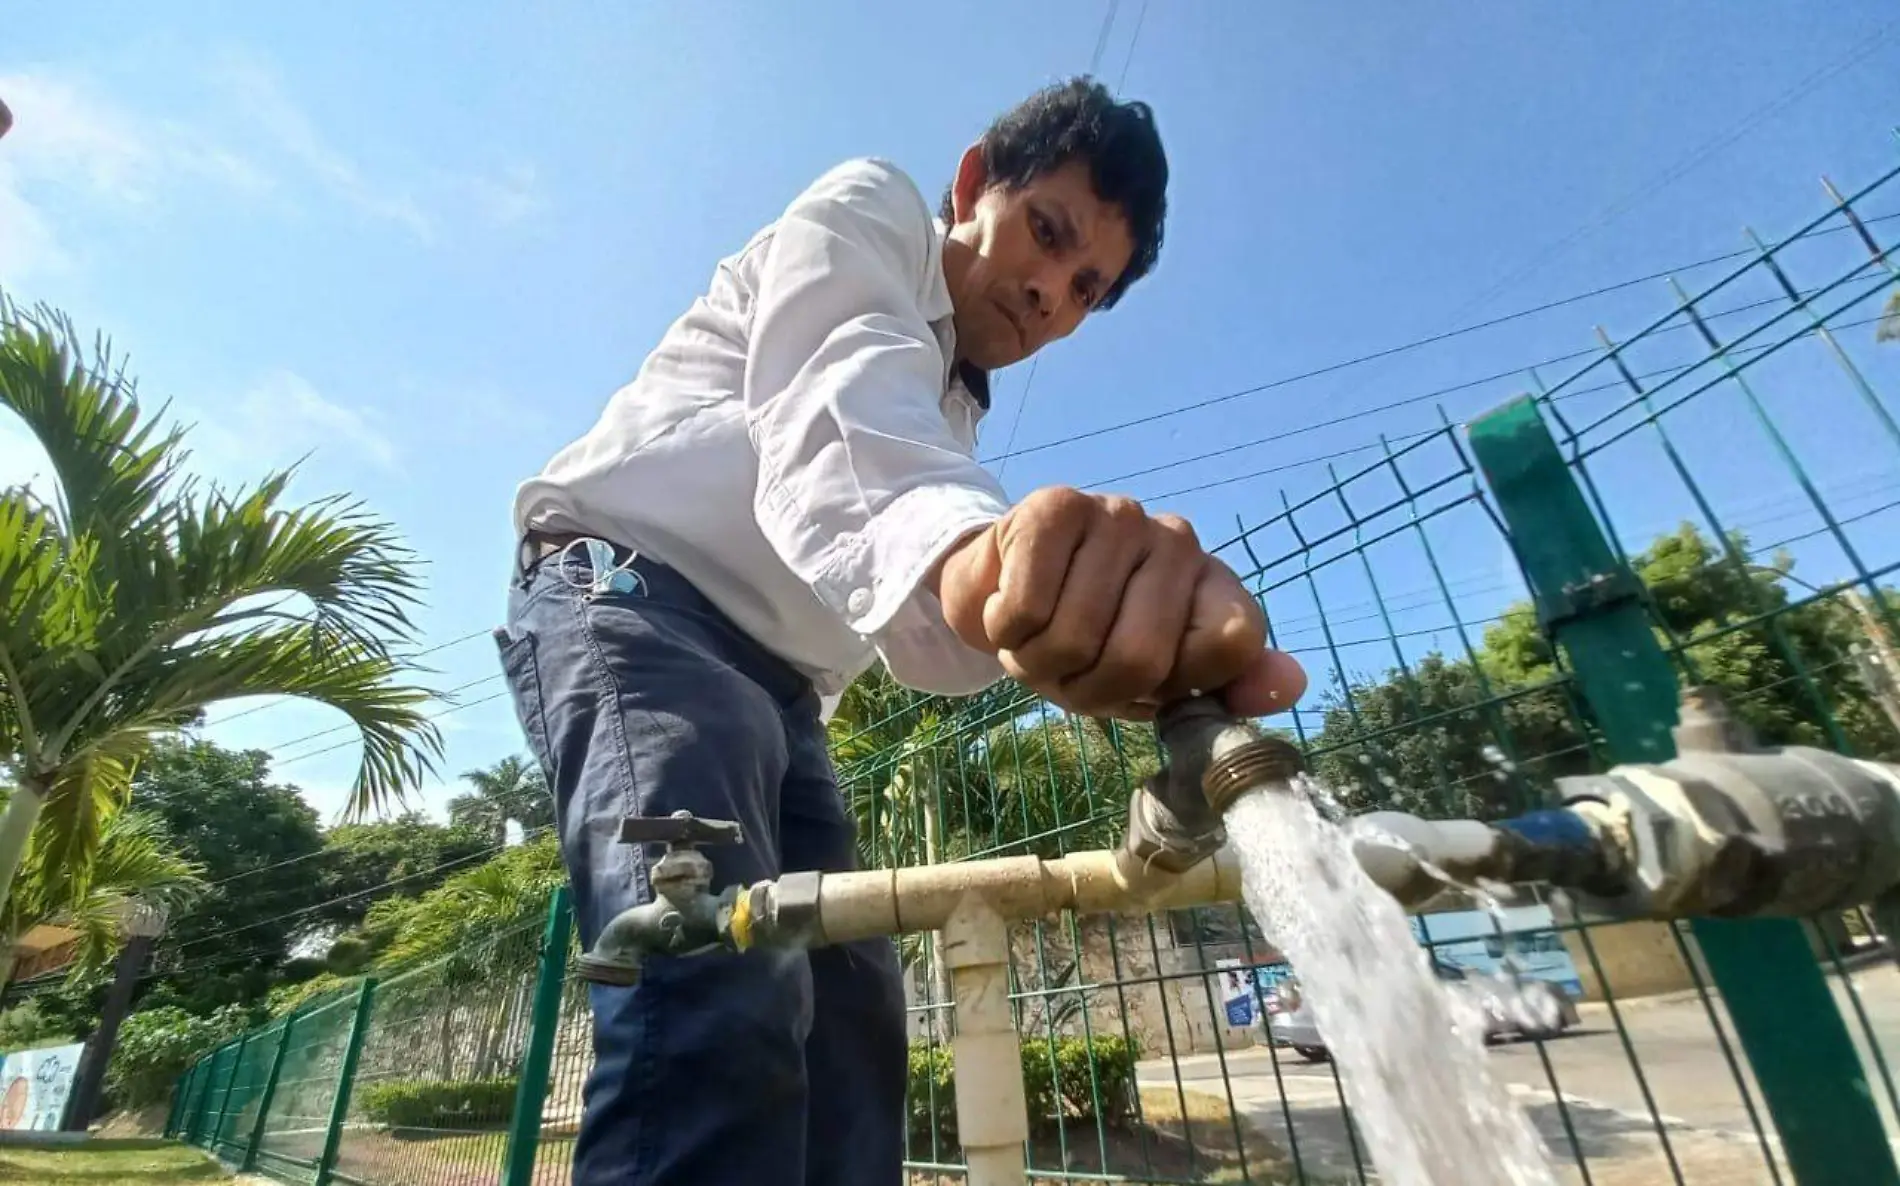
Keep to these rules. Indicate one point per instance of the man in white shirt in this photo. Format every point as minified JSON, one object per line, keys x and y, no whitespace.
{"x":786,"y":493}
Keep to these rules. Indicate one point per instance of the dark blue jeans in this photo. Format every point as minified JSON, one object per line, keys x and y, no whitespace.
{"x":771,"y":1068}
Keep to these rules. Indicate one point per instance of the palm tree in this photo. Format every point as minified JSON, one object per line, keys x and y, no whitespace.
{"x":511,"y":789}
{"x":1061,"y":782}
{"x":1889,"y":330}
{"x":476,"y":931}
{"x":135,"y":596}
{"x":135,"y":862}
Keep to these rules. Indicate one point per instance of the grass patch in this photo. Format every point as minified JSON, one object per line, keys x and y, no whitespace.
{"x":109,"y":1163}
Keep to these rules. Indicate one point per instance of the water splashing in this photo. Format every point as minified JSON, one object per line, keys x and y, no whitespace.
{"x":1411,"y":1055}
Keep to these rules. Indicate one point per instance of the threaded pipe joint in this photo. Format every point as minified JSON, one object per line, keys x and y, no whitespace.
{"x":1269,"y":761}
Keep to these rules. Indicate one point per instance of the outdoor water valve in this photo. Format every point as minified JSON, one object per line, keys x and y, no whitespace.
{"x":1211,"y":758}
{"x":684,"y":917}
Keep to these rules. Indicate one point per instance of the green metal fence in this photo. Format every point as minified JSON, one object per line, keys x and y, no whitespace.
{"x":1713,"y":497}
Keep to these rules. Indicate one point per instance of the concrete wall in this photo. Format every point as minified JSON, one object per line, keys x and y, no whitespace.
{"x":1638,"y":959}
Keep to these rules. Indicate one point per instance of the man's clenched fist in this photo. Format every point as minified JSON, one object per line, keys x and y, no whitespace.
{"x":1110,"y":611}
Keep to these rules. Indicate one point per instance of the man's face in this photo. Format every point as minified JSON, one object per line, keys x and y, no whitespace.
{"x":1025,"y":266}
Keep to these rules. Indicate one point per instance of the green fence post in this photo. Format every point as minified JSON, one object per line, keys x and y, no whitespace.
{"x":531,"y":1089}
{"x":195,"y":1131}
{"x":188,"y":1111}
{"x":270,"y":1091}
{"x":178,"y":1099}
{"x":195,"y":1124}
{"x":345,"y":1078}
{"x":224,"y":1101}
{"x":1591,"y":605}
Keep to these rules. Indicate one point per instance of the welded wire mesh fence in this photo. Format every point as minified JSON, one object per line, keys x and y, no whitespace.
{"x":1736,"y":448}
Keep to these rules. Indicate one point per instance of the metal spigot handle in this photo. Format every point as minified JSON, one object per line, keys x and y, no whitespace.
{"x":682,"y":829}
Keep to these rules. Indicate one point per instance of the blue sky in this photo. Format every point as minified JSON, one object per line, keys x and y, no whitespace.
{"x":422,"y":243}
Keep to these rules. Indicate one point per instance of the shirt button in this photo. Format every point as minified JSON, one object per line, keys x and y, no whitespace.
{"x":859,"y":601}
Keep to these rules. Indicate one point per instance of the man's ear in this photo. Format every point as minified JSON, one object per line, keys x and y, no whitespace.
{"x":972,"y":178}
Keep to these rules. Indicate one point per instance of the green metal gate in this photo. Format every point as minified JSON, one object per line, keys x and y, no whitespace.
{"x":1714,"y":497}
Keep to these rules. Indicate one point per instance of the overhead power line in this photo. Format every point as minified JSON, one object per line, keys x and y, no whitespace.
{"x":1684,"y":165}
{"x":1403,"y":438}
{"x":1095,"y":70}
{"x":409,"y":658}
{"x":1403,"y":347}
{"x":390,"y":883}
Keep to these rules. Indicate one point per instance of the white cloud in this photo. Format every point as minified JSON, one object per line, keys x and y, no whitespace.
{"x":72,"y":146}
{"x":69,"y":133}
{"x":22,"y":460}
{"x":76,"y":146}
{"x":512,"y":197}
{"x":261,"y":97}
{"x":28,"y":245}
{"x":281,"y":419}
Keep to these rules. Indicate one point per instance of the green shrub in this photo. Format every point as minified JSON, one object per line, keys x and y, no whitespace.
{"x":440,"y":1103}
{"x":156,"y":1045}
{"x":1057,"y":1082}
{"x":24,"y":1027}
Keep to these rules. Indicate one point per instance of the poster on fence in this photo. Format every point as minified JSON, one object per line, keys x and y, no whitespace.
{"x":1236,"y":993}
{"x":34,"y":1085}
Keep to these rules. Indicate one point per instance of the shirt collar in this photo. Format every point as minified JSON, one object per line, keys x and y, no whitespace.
{"x":975,"y":379}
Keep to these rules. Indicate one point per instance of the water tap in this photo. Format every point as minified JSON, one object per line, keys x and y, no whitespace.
{"x":1726,"y":828}
{"x":684,"y":917}
{"x":1210,"y":759}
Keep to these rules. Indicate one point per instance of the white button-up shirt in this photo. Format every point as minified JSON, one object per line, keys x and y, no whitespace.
{"x":799,"y":446}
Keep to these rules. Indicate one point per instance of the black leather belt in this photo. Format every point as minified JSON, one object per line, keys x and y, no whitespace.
{"x":537,"y":546}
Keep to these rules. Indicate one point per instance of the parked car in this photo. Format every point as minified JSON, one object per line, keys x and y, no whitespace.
{"x":1511,"y":1005}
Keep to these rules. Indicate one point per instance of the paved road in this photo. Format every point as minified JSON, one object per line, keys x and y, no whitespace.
{"x":1687,"y":1104}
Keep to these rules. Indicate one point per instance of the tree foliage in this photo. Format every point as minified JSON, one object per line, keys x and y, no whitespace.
{"x":133,"y":595}
{"x":1449,"y":736}
{"x":401,"y":858}
{"x":156,"y":1045}
{"x":256,"y":841}
{"x":510,"y":790}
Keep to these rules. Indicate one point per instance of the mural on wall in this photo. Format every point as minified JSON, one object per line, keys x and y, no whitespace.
{"x":34,"y":1085}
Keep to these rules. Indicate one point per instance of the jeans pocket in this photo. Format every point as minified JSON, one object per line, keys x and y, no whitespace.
{"x":518,"y":664}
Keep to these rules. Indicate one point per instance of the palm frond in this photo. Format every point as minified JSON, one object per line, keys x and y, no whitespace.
{"x":82,"y":798}
{"x":135,"y":863}
{"x":111,"y":464}
{"x":400,"y":743}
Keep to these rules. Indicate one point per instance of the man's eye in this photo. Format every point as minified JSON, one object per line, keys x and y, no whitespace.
{"x":1085,"y":296}
{"x":1039,"y":226}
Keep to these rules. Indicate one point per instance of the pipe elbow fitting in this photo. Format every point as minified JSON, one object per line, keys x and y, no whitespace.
{"x":1211,"y":758}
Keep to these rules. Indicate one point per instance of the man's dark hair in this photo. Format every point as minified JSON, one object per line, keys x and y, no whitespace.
{"x":1081,"y":120}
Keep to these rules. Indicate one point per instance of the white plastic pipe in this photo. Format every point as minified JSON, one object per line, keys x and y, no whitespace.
{"x":992,"y":1109}
{"x":877,"y":902}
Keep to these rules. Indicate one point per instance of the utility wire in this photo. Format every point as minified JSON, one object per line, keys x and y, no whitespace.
{"x":1278,"y":467}
{"x":350,"y":725}
{"x":410,"y":658}
{"x":435,"y":716}
{"x":1404,"y":347}
{"x":1683,"y":166}
{"x":1095,"y":68}
{"x":1408,"y":401}
{"x":390,"y":883}
{"x":1409,"y":437}
{"x":1140,"y":17}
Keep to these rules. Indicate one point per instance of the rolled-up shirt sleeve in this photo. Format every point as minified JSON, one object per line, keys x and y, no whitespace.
{"x":862,"y":484}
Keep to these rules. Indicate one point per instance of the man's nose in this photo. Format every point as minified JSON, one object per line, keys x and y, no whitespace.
{"x":1045,"y":294}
